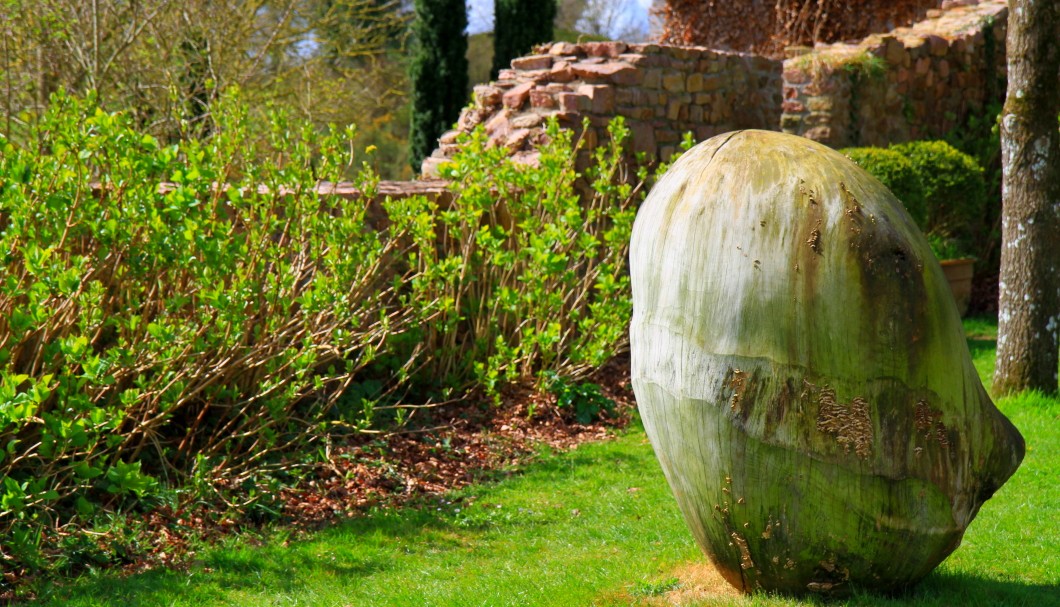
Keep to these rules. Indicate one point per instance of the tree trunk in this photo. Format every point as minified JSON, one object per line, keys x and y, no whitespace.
{"x":1029,"y":319}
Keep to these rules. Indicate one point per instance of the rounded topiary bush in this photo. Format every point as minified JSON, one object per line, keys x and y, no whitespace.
{"x":897,"y":173}
{"x":954,"y":189}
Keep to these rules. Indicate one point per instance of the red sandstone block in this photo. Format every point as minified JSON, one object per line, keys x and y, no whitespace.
{"x":822,"y":87}
{"x":674,"y":81}
{"x":643,"y":135}
{"x":604,"y":49}
{"x":532,"y":62}
{"x":565,"y":48}
{"x":673,"y":110}
{"x":895,"y":51}
{"x":667,"y":136}
{"x":633,"y":59}
{"x":527,"y":121}
{"x":517,"y":138}
{"x":498,"y":125}
{"x":539,"y":97}
{"x":487,"y":97}
{"x":568,"y":102}
{"x":796,"y":76}
{"x":937,"y":45}
{"x":617,"y":72}
{"x":793,"y":107}
{"x":561,"y":72}
{"x":530,"y":158}
{"x":516,"y":97}
{"x":601,"y":97}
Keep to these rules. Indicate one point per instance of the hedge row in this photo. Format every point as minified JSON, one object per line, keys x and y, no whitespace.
{"x":158,"y":338}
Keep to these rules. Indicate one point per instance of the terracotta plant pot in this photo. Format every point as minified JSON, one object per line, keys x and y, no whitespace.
{"x":959,"y":274}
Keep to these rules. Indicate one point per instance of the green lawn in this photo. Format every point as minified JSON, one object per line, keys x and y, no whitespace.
{"x":595,"y":526}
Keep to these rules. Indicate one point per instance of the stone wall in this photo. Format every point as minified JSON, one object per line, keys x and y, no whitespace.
{"x":662,"y":91}
{"x":914,"y":82}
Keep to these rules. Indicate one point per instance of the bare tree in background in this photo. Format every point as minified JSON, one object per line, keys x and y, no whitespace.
{"x":1029,"y":317}
{"x":166,"y":61}
{"x":611,"y":19}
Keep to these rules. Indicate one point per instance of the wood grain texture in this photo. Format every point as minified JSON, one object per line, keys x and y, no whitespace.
{"x":802,"y":372}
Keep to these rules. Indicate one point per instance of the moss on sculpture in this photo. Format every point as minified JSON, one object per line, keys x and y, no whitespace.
{"x":802,"y":371}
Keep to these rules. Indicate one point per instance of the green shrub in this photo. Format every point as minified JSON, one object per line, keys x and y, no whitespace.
{"x":198,"y":335}
{"x":145,"y":329}
{"x":522,"y":273}
{"x":954,"y":190}
{"x":583,"y":401}
{"x":980,"y":138}
{"x":897,"y":173}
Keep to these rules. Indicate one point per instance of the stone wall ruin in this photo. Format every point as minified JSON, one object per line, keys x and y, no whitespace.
{"x":912,"y":82}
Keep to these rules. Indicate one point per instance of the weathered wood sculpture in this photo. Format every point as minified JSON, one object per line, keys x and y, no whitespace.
{"x":802,"y":372}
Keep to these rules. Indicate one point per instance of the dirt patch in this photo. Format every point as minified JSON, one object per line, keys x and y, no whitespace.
{"x":699,"y":583}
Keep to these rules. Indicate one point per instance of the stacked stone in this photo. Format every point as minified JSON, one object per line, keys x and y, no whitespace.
{"x":662,"y":91}
{"x":936,"y":73}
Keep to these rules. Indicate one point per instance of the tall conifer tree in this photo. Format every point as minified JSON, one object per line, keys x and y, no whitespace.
{"x":518,"y":26}
{"x":438,"y":72}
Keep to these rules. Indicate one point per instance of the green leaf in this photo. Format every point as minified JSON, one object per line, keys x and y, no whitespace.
{"x":127,"y":478}
{"x":86,"y":471}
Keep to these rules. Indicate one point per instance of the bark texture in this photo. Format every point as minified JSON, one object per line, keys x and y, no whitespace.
{"x":1029,"y":307}
{"x":802,"y":371}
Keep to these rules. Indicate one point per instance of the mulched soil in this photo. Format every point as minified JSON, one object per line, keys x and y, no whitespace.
{"x":462,"y":444}
{"x":474,"y":438}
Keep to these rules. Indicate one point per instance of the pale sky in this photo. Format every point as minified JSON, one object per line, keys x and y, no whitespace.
{"x":480,"y":15}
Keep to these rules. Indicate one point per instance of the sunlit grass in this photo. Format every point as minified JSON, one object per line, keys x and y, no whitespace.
{"x":596,"y":526}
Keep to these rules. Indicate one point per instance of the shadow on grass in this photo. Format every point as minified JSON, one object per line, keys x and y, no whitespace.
{"x":984,"y":346}
{"x":226,"y":572}
{"x":947,"y":589}
{"x":349,"y":550}
{"x":969,"y":590}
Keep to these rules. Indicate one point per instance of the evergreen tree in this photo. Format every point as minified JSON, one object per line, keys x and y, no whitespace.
{"x":438,"y":72}
{"x":518,"y":26}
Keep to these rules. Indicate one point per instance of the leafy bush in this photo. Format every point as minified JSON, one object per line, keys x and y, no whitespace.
{"x":980,"y":138}
{"x":954,"y":190}
{"x":897,"y":173}
{"x":523,"y":274}
{"x":175,"y":316}
{"x":147,"y":330}
{"x":581,"y":400}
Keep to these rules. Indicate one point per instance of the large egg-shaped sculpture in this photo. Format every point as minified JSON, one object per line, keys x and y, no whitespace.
{"x":802,"y":372}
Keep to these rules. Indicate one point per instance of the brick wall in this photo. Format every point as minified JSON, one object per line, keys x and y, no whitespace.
{"x":911,"y":83}
{"x":662,"y":91}
{"x":914,"y":82}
